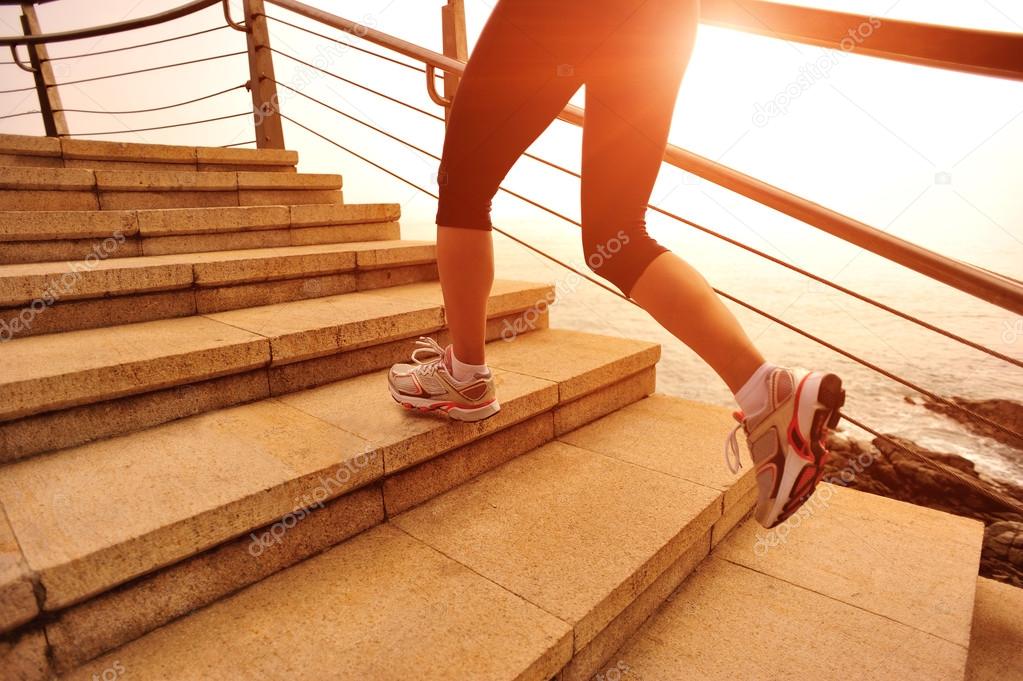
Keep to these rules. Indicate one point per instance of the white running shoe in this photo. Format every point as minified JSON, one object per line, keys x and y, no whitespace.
{"x":428,"y":385}
{"x":787,"y":439}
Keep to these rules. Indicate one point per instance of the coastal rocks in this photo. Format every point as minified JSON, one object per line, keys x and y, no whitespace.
{"x":1003,"y":551}
{"x":881,"y":468}
{"x":1005,"y":412}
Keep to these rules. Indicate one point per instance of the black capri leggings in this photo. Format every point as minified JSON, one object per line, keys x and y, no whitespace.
{"x":529,"y":60}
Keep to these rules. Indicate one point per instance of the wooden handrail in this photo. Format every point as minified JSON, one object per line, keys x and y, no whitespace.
{"x":108,"y":29}
{"x":988,"y":53}
{"x":978,"y":282}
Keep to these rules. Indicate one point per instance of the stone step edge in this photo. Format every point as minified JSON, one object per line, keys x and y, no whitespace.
{"x":97,"y":421}
{"x":149,"y":222}
{"x":160,"y":181}
{"x":471,"y":459}
{"x":124,"y":275}
{"x":271,"y":357}
{"x":545,"y":397}
{"x":78,"y":149}
{"x":577,"y":666}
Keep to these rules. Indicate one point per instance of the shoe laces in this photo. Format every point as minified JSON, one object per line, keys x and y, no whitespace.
{"x":732,"y":458}
{"x":430,"y":347}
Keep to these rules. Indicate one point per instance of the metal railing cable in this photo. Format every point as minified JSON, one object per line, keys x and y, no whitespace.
{"x":823,"y":280}
{"x":135,"y":47}
{"x":431,"y":194}
{"x":156,"y":108}
{"x":109,"y":29}
{"x":978,"y":282}
{"x":992,"y":494}
{"x":838,"y":287}
{"x":165,"y":127}
{"x":16,"y":90}
{"x":153,"y":68}
{"x":357,"y":84}
{"x":345,"y":44}
{"x":866,"y":363}
{"x":236,"y":144}
{"x":16,"y":115}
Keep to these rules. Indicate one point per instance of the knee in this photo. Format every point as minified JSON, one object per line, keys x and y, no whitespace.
{"x":619,"y":257}
{"x":601,"y":250}
{"x":459,"y":204}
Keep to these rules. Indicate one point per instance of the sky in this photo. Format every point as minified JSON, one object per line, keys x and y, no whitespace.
{"x":930,"y":155}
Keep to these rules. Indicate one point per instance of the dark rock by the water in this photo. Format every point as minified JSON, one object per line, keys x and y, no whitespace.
{"x":881,"y":468}
{"x":1004,"y":412}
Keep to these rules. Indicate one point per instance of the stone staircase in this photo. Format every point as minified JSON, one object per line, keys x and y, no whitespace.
{"x":202,"y":475}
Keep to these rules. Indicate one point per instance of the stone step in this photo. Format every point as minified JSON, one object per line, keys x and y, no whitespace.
{"x":44,"y":236}
{"x":61,"y":389}
{"x":53,"y":297}
{"x":48,"y":189}
{"x":52,"y":152}
{"x":996,"y":639}
{"x":207,"y":480}
{"x":539,"y":566}
{"x":856,"y":586}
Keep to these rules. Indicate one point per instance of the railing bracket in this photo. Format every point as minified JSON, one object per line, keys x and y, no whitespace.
{"x":431,"y":88}
{"x":231,"y":22}
{"x":17,"y":60}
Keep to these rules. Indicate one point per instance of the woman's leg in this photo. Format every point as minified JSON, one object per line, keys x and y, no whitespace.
{"x":630,"y":98}
{"x":519,"y":76}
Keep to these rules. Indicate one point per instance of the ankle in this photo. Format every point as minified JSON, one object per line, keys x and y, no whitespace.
{"x":753,"y":395}
{"x":462,"y":371}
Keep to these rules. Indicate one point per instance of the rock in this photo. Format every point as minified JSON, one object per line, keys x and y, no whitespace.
{"x":1005,"y":412}
{"x":880,"y":467}
{"x":1003,"y":552}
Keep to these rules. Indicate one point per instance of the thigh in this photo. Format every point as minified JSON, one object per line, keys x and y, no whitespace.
{"x":632,"y":83}
{"x":520,"y":75}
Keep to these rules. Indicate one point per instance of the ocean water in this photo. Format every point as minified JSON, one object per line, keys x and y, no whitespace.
{"x":938,"y":364}
{"x":941,"y":365}
{"x":927,"y":155}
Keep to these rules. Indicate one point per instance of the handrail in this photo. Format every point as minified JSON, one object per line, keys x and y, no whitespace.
{"x":988,"y":53}
{"x":976,"y":281}
{"x":108,"y":29}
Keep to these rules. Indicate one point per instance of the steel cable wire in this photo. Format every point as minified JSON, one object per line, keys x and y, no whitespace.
{"x":343,"y":43}
{"x":165,"y":127}
{"x":359,"y":85}
{"x":135,"y":47}
{"x":22,"y":113}
{"x":866,"y":363}
{"x":838,"y":287}
{"x":156,"y":108}
{"x":992,"y":494}
{"x":152,"y":68}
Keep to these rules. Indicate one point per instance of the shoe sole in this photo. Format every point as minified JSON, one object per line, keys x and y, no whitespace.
{"x":813,"y":420}
{"x":455,"y":411}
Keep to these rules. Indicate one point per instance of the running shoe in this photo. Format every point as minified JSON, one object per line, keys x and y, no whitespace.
{"x":787,"y":439}
{"x":427,"y":385}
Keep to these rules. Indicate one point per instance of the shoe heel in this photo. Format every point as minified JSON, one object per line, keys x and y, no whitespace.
{"x":477,"y":414}
{"x":831,"y":395}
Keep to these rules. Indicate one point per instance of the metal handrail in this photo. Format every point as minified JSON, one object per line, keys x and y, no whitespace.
{"x":989,"y":492}
{"x":108,"y":29}
{"x":976,"y":281}
{"x":988,"y":53}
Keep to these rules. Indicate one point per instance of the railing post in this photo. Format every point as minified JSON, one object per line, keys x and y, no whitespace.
{"x":455,"y":44}
{"x":54,"y":121}
{"x":262,"y":79}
